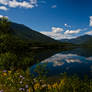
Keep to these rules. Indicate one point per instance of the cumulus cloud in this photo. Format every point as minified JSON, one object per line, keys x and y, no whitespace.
{"x":24,"y":4}
{"x":16,"y":3}
{"x":4,"y":2}
{"x":72,"y":31}
{"x":57,"y":29}
{"x":3,"y":8}
{"x":58,"y":36}
{"x":89,"y":33}
{"x":53,"y":6}
{"x":57,"y":33}
{"x":90,"y":23}
{"x":60,"y":33}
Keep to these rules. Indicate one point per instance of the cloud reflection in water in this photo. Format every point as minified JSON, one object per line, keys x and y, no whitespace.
{"x":70,"y":63}
{"x":60,"y":59}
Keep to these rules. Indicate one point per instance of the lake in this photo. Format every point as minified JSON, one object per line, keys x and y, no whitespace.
{"x":77,"y":61}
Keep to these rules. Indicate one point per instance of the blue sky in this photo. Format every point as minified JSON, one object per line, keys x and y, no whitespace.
{"x":58,"y":19}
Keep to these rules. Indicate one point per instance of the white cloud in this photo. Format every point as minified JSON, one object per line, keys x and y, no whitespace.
{"x":58,"y":36}
{"x":72,"y":31}
{"x":57,"y":33}
{"x":60,"y":33}
{"x":3,"y":8}
{"x":56,"y":59}
{"x":89,"y":58}
{"x":53,"y":6}
{"x":89,"y":33}
{"x":15,"y":3}
{"x":57,"y":29}
{"x":4,"y":2}
{"x":66,"y":25}
{"x":33,"y":1}
{"x":3,"y":16}
{"x":90,"y":24}
{"x":24,"y":4}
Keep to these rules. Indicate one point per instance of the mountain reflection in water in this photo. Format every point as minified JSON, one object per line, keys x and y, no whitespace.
{"x":71,"y":62}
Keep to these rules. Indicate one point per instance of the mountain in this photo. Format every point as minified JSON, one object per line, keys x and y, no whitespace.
{"x":24,"y":32}
{"x":79,"y":40}
{"x":88,"y":43}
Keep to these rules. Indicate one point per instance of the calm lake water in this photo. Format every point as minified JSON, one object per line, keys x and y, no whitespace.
{"x":77,"y":61}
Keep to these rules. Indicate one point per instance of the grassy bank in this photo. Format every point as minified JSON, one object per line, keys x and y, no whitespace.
{"x":20,"y":81}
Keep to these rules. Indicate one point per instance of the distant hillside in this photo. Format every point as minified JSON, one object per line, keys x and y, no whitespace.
{"x":78,"y":40}
{"x":88,"y":43}
{"x":24,"y":32}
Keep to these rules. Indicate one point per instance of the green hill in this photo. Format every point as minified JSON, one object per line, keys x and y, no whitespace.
{"x":24,"y":32}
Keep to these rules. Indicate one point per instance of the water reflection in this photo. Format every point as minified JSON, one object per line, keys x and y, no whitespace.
{"x":72,"y":62}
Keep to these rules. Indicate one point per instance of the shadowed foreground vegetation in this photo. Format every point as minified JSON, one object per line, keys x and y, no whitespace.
{"x":20,"y":81}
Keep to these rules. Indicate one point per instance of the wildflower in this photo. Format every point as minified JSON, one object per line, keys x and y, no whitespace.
{"x":21,"y":89}
{"x":4,"y":74}
{"x":29,"y":90}
{"x":44,"y":85}
{"x":21,"y":82}
{"x":1,"y":90}
{"x":4,"y":70}
{"x":49,"y":86}
{"x":9,"y":72}
{"x":26,"y":86}
{"x":21,"y":76}
{"x":61,"y":83}
{"x":55,"y":85}
{"x":36,"y":86}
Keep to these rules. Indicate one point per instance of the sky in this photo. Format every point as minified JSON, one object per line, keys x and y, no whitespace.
{"x":59,"y":19}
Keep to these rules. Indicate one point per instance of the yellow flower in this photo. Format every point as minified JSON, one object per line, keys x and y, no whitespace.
{"x":61,"y":83}
{"x":55,"y":85}
{"x":29,"y":90}
{"x":9,"y":72}
{"x":49,"y":86}
{"x":36,"y":86}
{"x":4,"y":74}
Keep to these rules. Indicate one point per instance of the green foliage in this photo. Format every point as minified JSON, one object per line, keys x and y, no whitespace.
{"x":4,"y":25}
{"x":19,"y":81}
{"x":8,"y":60}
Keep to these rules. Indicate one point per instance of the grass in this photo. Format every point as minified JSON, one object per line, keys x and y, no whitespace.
{"x":19,"y":81}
